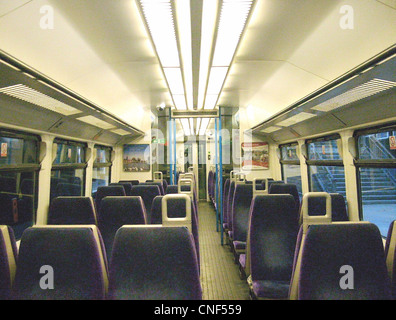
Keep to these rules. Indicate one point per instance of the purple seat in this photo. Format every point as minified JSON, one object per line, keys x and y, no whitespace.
{"x":105,"y":191}
{"x":317,"y":206}
{"x":226,"y":190}
{"x":171,"y":189}
{"x":240,"y":215}
{"x":273,"y":235}
{"x":126,"y":185}
{"x":116,"y":212}
{"x":390,"y":254}
{"x":330,"y":247}
{"x":148,"y":193}
{"x":73,"y":255}
{"x":176,"y":209}
{"x":154,"y":263}
{"x":72,"y":211}
{"x":132,"y":182}
{"x":286,"y":188}
{"x":159,"y":184}
{"x":228,"y":225}
{"x":8,"y":259}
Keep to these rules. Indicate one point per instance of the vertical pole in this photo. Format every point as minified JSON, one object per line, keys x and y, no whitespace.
{"x":174,"y":153}
{"x":170,"y":147}
{"x":221,"y":175}
{"x":216,"y":181}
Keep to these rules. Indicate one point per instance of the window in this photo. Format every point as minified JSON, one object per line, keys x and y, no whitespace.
{"x":376,"y":167}
{"x":101,"y":168}
{"x":19,"y":167}
{"x":290,"y":163}
{"x":68,"y":169}
{"x":325,"y":166}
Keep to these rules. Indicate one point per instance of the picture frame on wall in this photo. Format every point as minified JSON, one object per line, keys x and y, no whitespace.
{"x":136,"y":158}
{"x":255,"y":156}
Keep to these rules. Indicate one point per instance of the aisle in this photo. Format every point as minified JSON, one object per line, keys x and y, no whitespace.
{"x":219,"y":274}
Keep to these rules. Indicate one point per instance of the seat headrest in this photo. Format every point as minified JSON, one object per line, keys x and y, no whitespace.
{"x":154,"y":263}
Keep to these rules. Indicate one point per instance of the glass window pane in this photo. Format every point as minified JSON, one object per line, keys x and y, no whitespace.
{"x":18,"y":200}
{"x":289,"y":152}
{"x":323,"y":150}
{"x":378,"y":195}
{"x":102,"y":156}
{"x":17,"y":151}
{"x":377,"y":146}
{"x":67,"y":182}
{"x":100,"y":177}
{"x":69,"y":154}
{"x":292,"y":174}
{"x":329,"y":179}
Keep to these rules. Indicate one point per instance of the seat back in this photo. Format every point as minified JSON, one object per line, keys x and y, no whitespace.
{"x":272,"y":237}
{"x":116,"y":212}
{"x":226,"y":190}
{"x":148,"y":193}
{"x":286,"y":188}
{"x":229,"y":204}
{"x":153,"y":183}
{"x":105,"y":191}
{"x":317,"y":207}
{"x":171,"y":189}
{"x":8,"y":259}
{"x":390,"y":250}
{"x":241,"y":211}
{"x":132,"y":182}
{"x":126,"y":185}
{"x":343,"y":261}
{"x":154,"y":263}
{"x":72,"y":211}
{"x":61,"y":262}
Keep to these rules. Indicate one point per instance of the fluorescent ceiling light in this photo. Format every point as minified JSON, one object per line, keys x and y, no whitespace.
{"x":210,"y":101}
{"x":216,"y":79}
{"x":121,"y":132}
{"x":271,"y":129}
{"x":296,"y":119}
{"x":159,"y":17}
{"x":209,"y":14}
{"x":25,"y":93}
{"x":191,"y":120}
{"x":233,"y":17}
{"x":363,"y":91}
{"x":186,"y":126}
{"x":175,"y":80}
{"x":180,"y":101}
{"x":204,"y":126}
{"x":198,"y":126}
{"x":183,"y":14}
{"x":96,"y":122}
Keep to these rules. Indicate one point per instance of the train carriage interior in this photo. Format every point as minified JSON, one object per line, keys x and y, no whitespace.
{"x":198,"y":150}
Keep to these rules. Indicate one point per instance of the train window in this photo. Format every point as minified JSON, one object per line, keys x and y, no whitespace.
{"x":101,"y":168}
{"x":290,"y":163}
{"x":376,"y":166}
{"x":325,"y":166}
{"x":19,"y":167}
{"x":68,"y":169}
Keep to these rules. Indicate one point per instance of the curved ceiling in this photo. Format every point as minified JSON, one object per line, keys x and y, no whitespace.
{"x":101,"y":50}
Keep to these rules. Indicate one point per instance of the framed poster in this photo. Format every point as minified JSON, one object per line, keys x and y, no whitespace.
{"x":255,"y":156}
{"x":136,"y":158}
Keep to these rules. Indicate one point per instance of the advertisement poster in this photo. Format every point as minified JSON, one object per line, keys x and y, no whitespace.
{"x":136,"y":158}
{"x":255,"y":156}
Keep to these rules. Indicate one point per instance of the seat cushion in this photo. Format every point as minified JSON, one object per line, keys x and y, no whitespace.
{"x":271,"y":289}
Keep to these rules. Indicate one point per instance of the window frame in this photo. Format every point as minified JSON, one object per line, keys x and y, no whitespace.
{"x":370,"y":163}
{"x":322,"y":163}
{"x":33,"y":168}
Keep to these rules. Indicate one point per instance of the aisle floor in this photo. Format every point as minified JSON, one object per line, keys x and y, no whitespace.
{"x":219,"y":274}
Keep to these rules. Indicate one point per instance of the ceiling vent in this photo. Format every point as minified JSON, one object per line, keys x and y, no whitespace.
{"x":363,"y":91}
{"x":25,"y":93}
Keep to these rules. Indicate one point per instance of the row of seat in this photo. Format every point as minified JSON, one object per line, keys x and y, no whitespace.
{"x":269,"y":254}
{"x":69,"y":262}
